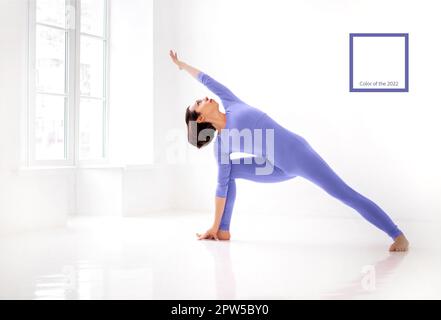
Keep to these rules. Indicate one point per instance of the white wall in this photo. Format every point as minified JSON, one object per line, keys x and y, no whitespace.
{"x":131,"y":81}
{"x":290,"y":58}
{"x":28,"y":199}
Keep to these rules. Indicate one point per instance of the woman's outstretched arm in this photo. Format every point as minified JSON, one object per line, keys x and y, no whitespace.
{"x":183,"y":66}
{"x":228,"y":98}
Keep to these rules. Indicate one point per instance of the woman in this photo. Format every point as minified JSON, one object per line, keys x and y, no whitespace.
{"x":281,"y":156}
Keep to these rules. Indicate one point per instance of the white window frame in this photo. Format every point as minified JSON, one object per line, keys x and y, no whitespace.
{"x":72,"y":94}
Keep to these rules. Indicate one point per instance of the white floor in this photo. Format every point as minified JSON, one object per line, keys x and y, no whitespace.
{"x":158,"y":257}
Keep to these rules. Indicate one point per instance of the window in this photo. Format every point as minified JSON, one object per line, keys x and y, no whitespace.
{"x":68,"y":109}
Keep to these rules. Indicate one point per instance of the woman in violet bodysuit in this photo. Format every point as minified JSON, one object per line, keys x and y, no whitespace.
{"x":279,"y":156}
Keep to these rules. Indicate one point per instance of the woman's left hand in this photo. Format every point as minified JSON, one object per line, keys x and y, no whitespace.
{"x":174,"y":57}
{"x":210,"y":234}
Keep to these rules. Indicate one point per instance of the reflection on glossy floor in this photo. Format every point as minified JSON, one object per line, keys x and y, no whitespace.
{"x":158,"y":257}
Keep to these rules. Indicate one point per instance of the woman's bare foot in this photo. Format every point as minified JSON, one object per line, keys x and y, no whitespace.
{"x":223,"y":235}
{"x":400,"y":244}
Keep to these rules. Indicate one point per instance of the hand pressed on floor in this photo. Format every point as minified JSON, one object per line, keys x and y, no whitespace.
{"x":214,"y":234}
{"x":400,"y":244}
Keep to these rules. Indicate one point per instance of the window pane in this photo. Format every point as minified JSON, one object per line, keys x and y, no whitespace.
{"x":51,"y":12}
{"x":91,"y":129}
{"x":92,"y":67}
{"x":92,"y":17}
{"x":49,"y":127}
{"x":50,"y":60}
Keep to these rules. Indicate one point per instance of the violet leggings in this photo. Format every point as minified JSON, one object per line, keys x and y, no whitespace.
{"x":309,"y":165}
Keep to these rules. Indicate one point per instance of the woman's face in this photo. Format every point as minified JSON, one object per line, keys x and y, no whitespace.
{"x":204,"y":106}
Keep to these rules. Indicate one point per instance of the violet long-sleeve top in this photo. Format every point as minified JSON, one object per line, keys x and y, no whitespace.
{"x":239,"y":116}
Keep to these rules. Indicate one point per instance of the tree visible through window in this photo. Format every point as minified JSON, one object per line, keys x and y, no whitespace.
{"x":68,"y":80}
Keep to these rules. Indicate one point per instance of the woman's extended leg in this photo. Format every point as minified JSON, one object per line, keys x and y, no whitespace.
{"x":247,"y":171}
{"x":316,"y":170}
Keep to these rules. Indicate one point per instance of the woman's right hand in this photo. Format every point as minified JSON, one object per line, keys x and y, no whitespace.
{"x":214,"y":235}
{"x":210,"y":234}
{"x":174,"y":57}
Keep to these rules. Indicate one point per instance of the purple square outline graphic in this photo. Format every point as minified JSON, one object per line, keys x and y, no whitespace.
{"x":406,"y":61}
